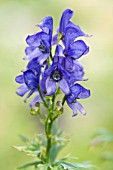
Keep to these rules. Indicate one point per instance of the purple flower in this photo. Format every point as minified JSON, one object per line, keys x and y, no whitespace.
{"x":64,"y":21}
{"x":45,"y":72}
{"x":29,"y":80}
{"x":74,"y":49}
{"x":63,"y":72}
{"x":40,"y":43}
{"x":77,"y":92}
{"x":47,"y":25}
{"x":75,"y":69}
{"x":29,"y":83}
{"x":57,"y":74}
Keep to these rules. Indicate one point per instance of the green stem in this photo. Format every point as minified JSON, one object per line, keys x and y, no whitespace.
{"x":45,"y":104}
{"x":48,"y":129}
{"x":53,"y":100}
{"x":48,"y":125}
{"x":54,"y":96}
{"x":63,"y":100}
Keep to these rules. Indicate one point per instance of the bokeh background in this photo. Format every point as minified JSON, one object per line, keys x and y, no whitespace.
{"x":17,"y":20}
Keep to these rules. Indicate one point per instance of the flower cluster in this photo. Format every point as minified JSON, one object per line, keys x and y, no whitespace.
{"x":46,"y":73}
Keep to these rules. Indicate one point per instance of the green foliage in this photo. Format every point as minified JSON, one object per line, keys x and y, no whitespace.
{"x":69,"y":163}
{"x":103,"y":137}
{"x":23,"y":138}
{"x":46,"y":147}
{"x":35,"y":164}
{"x":37,"y":148}
{"x":77,"y":166}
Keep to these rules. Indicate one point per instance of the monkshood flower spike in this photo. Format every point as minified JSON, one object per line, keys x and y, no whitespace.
{"x":45,"y":77}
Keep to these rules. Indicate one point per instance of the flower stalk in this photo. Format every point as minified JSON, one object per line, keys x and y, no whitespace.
{"x":53,"y":75}
{"x":48,"y":129}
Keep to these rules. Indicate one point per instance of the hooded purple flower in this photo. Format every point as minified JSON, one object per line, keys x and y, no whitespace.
{"x":47,"y":25}
{"x":57,"y":74}
{"x":45,"y":72}
{"x":64,"y":21}
{"x":74,"y":49}
{"x":40,"y":43}
{"x":72,"y":67}
{"x":29,"y":81}
{"x":75,"y":69}
{"x":77,"y":92}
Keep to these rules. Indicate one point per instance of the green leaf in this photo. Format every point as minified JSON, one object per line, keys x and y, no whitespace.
{"x":35,"y":147}
{"x":55,"y":149}
{"x":72,"y":166}
{"x":41,"y":139}
{"x":23,"y":138}
{"x":19,"y":148}
{"x":47,"y":167}
{"x":69,"y":158}
{"x":59,"y":168}
{"x":55,"y":130}
{"x":84,"y":165}
{"x":102,"y":136}
{"x":67,"y":165}
{"x":29,"y":150}
{"x":35,"y":164}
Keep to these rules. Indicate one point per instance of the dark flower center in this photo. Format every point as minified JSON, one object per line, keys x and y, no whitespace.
{"x":56,"y":75}
{"x":42,"y":48}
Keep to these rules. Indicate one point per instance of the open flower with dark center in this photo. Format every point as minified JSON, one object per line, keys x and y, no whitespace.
{"x":56,"y":74}
{"x":45,"y":72}
{"x":40,"y":43}
{"x":77,"y":92}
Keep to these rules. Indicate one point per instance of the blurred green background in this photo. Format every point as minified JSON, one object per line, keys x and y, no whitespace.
{"x":17,"y":20}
